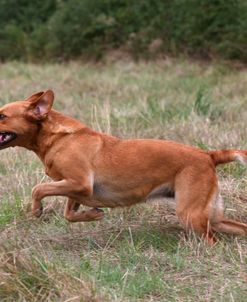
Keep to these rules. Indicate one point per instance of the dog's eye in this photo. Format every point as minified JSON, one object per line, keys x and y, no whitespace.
{"x":2,"y":116}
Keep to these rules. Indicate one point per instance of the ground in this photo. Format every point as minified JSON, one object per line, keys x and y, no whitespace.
{"x":140,"y":253}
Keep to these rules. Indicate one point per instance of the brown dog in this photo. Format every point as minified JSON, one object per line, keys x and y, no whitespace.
{"x":98,"y":170}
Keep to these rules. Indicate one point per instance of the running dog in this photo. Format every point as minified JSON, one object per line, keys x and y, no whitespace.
{"x":99,"y":170}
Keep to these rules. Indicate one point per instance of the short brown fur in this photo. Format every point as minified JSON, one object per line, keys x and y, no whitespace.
{"x":99,"y":170}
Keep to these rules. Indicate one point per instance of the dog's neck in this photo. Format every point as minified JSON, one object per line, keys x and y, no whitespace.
{"x":48,"y":131}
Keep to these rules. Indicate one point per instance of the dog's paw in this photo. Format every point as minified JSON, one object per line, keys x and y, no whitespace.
{"x":98,"y":210}
{"x":96,"y":213}
{"x":37,"y":212}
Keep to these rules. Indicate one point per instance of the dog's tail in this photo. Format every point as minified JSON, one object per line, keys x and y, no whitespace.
{"x":227,"y":156}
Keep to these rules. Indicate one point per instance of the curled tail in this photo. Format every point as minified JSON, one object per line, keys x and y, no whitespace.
{"x":227,"y":156}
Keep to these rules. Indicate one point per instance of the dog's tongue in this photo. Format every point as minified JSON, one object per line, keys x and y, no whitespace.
{"x":2,"y":137}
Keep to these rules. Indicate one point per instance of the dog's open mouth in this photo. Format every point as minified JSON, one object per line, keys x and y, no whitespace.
{"x":6,"y":137}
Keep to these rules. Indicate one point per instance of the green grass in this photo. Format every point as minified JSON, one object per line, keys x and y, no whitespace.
{"x":136,"y":254}
{"x":10,"y":209}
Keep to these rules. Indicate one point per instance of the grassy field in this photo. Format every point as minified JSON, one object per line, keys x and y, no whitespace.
{"x":136,"y":254}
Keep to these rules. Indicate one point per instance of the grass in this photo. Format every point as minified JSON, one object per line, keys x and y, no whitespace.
{"x":136,"y":254}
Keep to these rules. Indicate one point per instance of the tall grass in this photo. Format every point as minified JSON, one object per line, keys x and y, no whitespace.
{"x":136,"y":254}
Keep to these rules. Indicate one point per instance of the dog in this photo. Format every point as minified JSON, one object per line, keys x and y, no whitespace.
{"x":99,"y":170}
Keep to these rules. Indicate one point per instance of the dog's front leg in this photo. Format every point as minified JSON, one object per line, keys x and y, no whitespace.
{"x":72,"y":215}
{"x":70,"y":189}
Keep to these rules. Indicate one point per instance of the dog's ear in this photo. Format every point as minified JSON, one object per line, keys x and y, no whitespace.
{"x":39,"y":105}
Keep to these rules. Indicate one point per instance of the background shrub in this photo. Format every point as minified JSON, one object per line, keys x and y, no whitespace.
{"x":209,"y":28}
{"x":19,"y":19}
{"x":60,"y":29}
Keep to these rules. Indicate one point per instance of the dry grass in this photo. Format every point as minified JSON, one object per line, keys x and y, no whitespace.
{"x":137,"y":254}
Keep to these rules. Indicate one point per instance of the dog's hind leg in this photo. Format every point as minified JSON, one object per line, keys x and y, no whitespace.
{"x":230,"y":227}
{"x":200,"y":208}
{"x":72,"y":215}
{"x":195,"y":190}
{"x":221,"y":224}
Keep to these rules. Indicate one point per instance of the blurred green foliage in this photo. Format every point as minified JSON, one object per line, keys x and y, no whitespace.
{"x":65,"y":29}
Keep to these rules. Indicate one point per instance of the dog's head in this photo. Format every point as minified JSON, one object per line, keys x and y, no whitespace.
{"x":19,"y":121}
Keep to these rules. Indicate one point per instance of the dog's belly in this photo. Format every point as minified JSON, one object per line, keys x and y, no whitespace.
{"x":104,"y":196}
{"x":115,"y":197}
